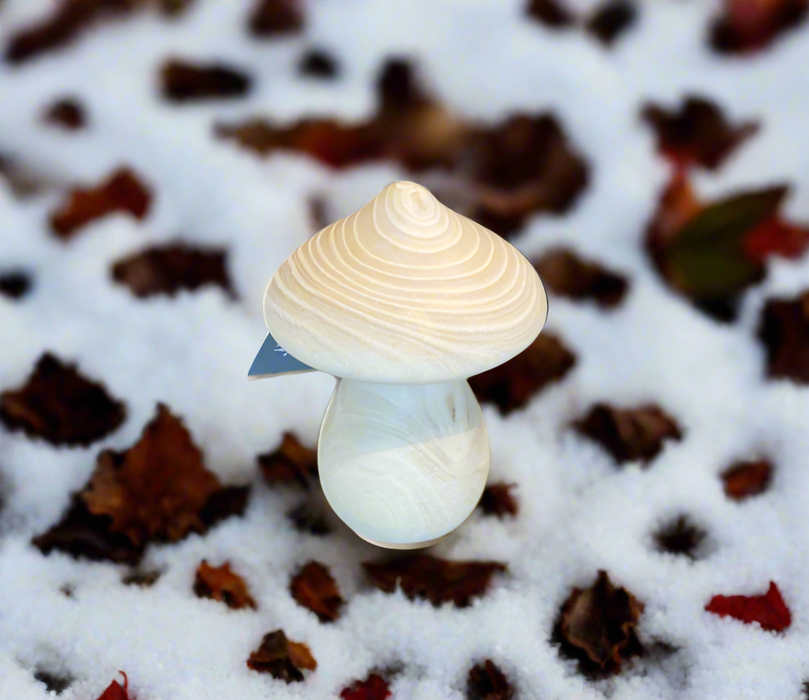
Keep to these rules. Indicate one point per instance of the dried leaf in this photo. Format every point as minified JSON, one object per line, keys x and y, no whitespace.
{"x":568,"y":275}
{"x":314,"y":588}
{"x":597,"y":626}
{"x":487,"y":682}
{"x":188,"y":82}
{"x":54,"y":682}
{"x":611,"y":19}
{"x":67,"y":113}
{"x":306,"y":518}
{"x":680,"y":537}
{"x":318,"y":63}
{"x":769,"y":610}
{"x":629,"y":434}
{"x":282,"y":658}
{"x":437,"y":580}
{"x":784,"y":332}
{"x":497,"y":500}
{"x":274,"y":17}
{"x":551,"y":13}
{"x":698,"y":133}
{"x":745,"y":479}
{"x":157,"y":488}
{"x":513,"y":384}
{"x":61,"y":406}
{"x":290,"y":463}
{"x":115,"y":692}
{"x":144,"y":579}
{"x":14,"y":284}
{"x":375,"y":687}
{"x":121,"y":192}
{"x":746,"y":26}
{"x":222,"y":584}
{"x":167,"y":269}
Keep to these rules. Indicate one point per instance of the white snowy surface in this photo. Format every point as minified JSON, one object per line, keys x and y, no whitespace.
{"x":578,"y":513}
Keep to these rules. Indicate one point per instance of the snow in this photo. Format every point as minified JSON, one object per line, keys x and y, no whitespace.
{"x":578,"y":513}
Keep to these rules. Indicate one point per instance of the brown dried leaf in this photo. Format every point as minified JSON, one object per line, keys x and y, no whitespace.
{"x":746,"y":26}
{"x":318,"y":63}
{"x":274,"y":17}
{"x":182,"y":81}
{"x":167,"y":269}
{"x":745,"y":479}
{"x":67,"y":113}
{"x":290,"y":463}
{"x":551,"y":13}
{"x":55,"y":683}
{"x":144,"y":579}
{"x":629,"y":434}
{"x":314,"y":588}
{"x":487,"y":682}
{"x":157,"y":488}
{"x":437,"y":580}
{"x":121,"y":192}
{"x":784,"y":331}
{"x":698,"y":133}
{"x":14,"y":284}
{"x":597,"y":626}
{"x":61,"y":406}
{"x":681,"y":537}
{"x":512,"y":385}
{"x":281,"y":657}
{"x":222,"y":584}
{"x":497,"y":500}
{"x":611,"y":19}
{"x":568,"y":275}
{"x":306,"y":518}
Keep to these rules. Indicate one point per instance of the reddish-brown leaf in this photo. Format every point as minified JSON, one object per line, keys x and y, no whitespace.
{"x":597,"y":626}
{"x":611,"y":19}
{"x":784,"y":331}
{"x":375,"y":687}
{"x":155,"y":490}
{"x":67,"y":113}
{"x":290,"y":463}
{"x":167,"y":269}
{"x":680,"y":537}
{"x":568,"y":275}
{"x":222,"y":584}
{"x":745,"y":26}
{"x":512,"y":385}
{"x":282,"y":658}
{"x":314,"y":588}
{"x":497,"y":500}
{"x":61,"y":406}
{"x":629,"y":434}
{"x":14,"y":284}
{"x":273,"y":17}
{"x":115,"y":691}
{"x":487,"y":682}
{"x":437,"y":580}
{"x":745,"y":479}
{"x":121,"y":192}
{"x":698,"y":133}
{"x":182,"y":81}
{"x":769,"y":609}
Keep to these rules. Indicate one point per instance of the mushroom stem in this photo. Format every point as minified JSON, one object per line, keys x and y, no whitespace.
{"x":403,"y":465}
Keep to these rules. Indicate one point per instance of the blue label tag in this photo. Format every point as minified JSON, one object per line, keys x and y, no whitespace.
{"x":273,"y":360}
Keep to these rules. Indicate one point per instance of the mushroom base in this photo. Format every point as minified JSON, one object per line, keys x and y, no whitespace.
{"x":403,"y":465}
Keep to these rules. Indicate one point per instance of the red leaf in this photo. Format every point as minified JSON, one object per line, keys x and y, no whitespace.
{"x":375,"y":687}
{"x":745,"y":479}
{"x":769,"y":610}
{"x":115,"y":692}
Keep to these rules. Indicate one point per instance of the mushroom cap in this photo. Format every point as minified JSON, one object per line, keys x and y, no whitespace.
{"x":405,"y":291}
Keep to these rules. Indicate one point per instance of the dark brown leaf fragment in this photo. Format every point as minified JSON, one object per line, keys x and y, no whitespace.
{"x":551,"y":13}
{"x":67,"y":113}
{"x":307,"y":519}
{"x":747,"y":26}
{"x":680,"y":537}
{"x":227,"y":502}
{"x":568,"y":275}
{"x":290,"y":463}
{"x":497,"y":500}
{"x":611,"y":19}
{"x":633,"y":434}
{"x":437,"y":580}
{"x":745,"y":479}
{"x":318,"y":63}
{"x":697,"y":133}
{"x":597,"y":627}
{"x":784,"y":332}
{"x":55,"y":683}
{"x":61,"y":406}
{"x":487,"y":682}
{"x":512,"y":385}
{"x":282,"y":658}
{"x":14,"y":284}
{"x":188,"y":82}
{"x":314,"y":588}
{"x":121,"y":192}
{"x":274,"y":17}
{"x":167,"y":269}
{"x":222,"y":584}
{"x":143,"y":579}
